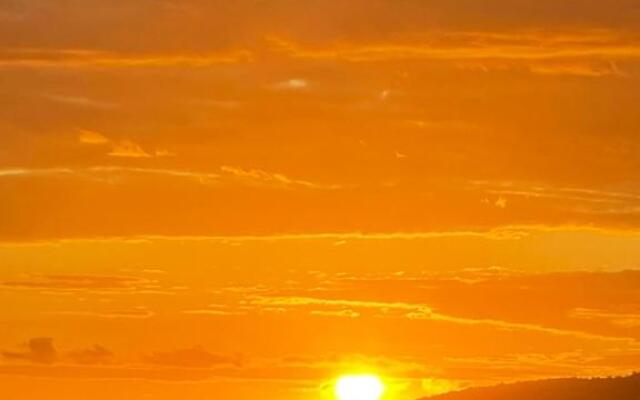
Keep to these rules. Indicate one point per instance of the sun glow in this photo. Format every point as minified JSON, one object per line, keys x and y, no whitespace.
{"x":359,"y":387}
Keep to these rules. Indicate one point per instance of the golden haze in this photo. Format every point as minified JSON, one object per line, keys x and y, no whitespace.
{"x":246,"y":200}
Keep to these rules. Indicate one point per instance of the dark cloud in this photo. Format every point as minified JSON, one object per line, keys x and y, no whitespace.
{"x":95,"y":355}
{"x":42,"y":351}
{"x":38,"y":350}
{"x":196,"y":24}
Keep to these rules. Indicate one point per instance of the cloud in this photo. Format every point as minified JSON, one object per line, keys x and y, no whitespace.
{"x":577,"y":199}
{"x":111,"y":173}
{"x":92,"y":284}
{"x":92,"y":137}
{"x":28,"y":172}
{"x":120,"y":313}
{"x":214,"y":312}
{"x":498,"y":234}
{"x":351,"y":204}
{"x":201,"y":177}
{"x":485,"y":292}
{"x":42,"y":351}
{"x":128,"y":149}
{"x":76,"y":282}
{"x":96,"y":355}
{"x":624,"y":320}
{"x":589,"y":53}
{"x":38,"y":350}
{"x":292,"y":84}
{"x":383,"y":307}
{"x":120,"y":148}
{"x":258,"y":176}
{"x":228,"y":174}
{"x":434,"y":374}
{"x":338,"y":313}
{"x":80,"y":58}
{"x":501,"y":202}
{"x":163,"y":153}
{"x":477,"y":45}
{"x":194,"y":357}
{"x":585,"y":69}
{"x":79,"y":101}
{"x":196,"y":364}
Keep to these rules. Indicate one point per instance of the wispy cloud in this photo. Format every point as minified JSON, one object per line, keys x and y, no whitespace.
{"x":74,"y":282}
{"x":80,"y":101}
{"x":477,"y":45}
{"x":336,"y":313}
{"x":80,"y":58}
{"x":201,"y":177}
{"x":226,"y":174}
{"x":579,"y":53}
{"x":625,"y":320}
{"x":118,"y":313}
{"x":92,"y":137}
{"x":258,"y":176}
{"x":61,"y":284}
{"x":27,"y":172}
{"x":413,"y":311}
{"x":119,"y":148}
{"x":337,"y":238}
{"x":292,"y":84}
{"x":127,"y":148}
{"x":594,"y":69}
{"x":591,"y":200}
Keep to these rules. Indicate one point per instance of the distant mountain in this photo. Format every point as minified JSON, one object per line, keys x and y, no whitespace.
{"x":623,"y":388}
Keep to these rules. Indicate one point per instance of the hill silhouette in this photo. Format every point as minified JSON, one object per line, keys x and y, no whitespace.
{"x":621,"y":388}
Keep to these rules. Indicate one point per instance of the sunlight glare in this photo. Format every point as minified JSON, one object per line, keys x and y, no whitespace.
{"x":359,"y":387}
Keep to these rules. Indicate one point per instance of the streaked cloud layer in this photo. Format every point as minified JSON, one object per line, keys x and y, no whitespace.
{"x":442,"y":192}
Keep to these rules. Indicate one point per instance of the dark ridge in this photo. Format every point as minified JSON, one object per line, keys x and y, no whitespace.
{"x":620,"y":388}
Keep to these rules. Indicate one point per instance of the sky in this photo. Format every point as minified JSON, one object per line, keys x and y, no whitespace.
{"x":247,"y":199}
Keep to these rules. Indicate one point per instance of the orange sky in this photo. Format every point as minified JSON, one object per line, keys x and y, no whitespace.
{"x":243,"y":200}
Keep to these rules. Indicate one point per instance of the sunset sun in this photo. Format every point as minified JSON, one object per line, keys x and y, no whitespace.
{"x":359,"y":387}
